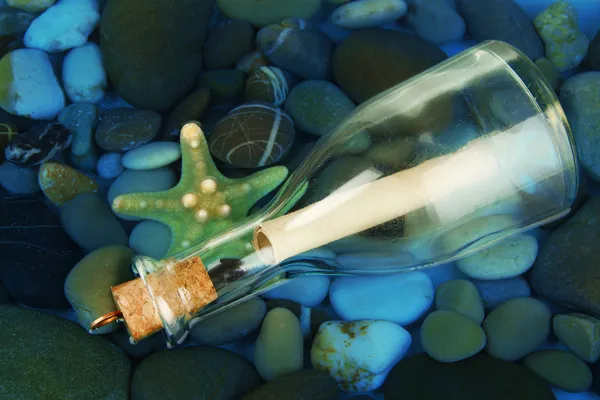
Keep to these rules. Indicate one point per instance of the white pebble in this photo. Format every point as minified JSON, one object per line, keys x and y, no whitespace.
{"x":109,"y":165}
{"x":65,"y":25}
{"x":309,"y":291}
{"x":83,"y":74}
{"x":401,"y":298}
{"x":368,"y":13}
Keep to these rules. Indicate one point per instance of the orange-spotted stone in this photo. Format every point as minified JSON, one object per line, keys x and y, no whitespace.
{"x":61,"y":183}
{"x":7,"y":132}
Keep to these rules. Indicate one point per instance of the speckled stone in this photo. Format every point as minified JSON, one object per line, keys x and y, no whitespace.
{"x":123,"y":129}
{"x":580,"y":333}
{"x":268,"y":84}
{"x":561,"y":368}
{"x":61,"y":183}
{"x":226,"y":43}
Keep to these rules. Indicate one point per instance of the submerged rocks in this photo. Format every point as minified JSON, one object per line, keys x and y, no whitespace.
{"x":265,"y":12}
{"x":81,"y":120}
{"x":436,"y":21}
{"x":561,"y":368}
{"x":152,"y":155}
{"x":83,"y":74}
{"x":580,"y":333}
{"x":268,"y":84}
{"x":123,"y":129}
{"x":368,"y":13}
{"x":37,"y":145}
{"x":306,"y":384}
{"x":227,"y":43}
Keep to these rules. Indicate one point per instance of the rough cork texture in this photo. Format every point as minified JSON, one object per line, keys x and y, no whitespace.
{"x":184,"y":286}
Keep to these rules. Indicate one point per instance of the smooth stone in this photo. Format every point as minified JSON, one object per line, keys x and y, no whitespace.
{"x":268,"y":84}
{"x":41,"y":98}
{"x":144,"y":348}
{"x":563,"y":273}
{"x":502,"y":20}
{"x":401,"y":298}
{"x":359,"y":354}
{"x":191,"y":108}
{"x":81,"y":120}
{"x":561,"y":368}
{"x":231,"y":324}
{"x":73,"y":365}
{"x":83,"y":74}
{"x":90,"y":223}
{"x":280,"y":345}
{"x":479,"y":377}
{"x":318,"y":106}
{"x":550,"y":72}
{"x":19,"y":180}
{"x":123,"y":129}
{"x":448,"y":336}
{"x":580,"y":333}
{"x":150,"y":238}
{"x":460,"y":296}
{"x":31,"y":5}
{"x":580,"y":97}
{"x":310,"y":318}
{"x":368,"y":13}
{"x":110,"y":101}
{"x":36,"y":253}
{"x":494,"y":293}
{"x":86,"y":162}
{"x":87,"y":286}
{"x":302,"y":385}
{"x":65,"y":25}
{"x":144,"y":74}
{"x":372,"y":60}
{"x":226,"y":44}
{"x":516,"y":328}
{"x":226,"y":85}
{"x":61,"y":183}
{"x":3,"y":296}
{"x":436,"y":21}
{"x":109,"y":165}
{"x":152,"y":155}
{"x":265,"y":12}
{"x":309,"y":291}
{"x":558,"y":26}
{"x":198,"y":373}
{"x":592,"y":59}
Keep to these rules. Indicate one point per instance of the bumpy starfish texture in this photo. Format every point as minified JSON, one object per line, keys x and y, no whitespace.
{"x":204,"y":202}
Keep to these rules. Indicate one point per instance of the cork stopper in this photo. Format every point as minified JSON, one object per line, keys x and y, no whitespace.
{"x":180,"y":290}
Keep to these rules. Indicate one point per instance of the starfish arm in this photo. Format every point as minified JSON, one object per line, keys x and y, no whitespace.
{"x":158,"y":206}
{"x":256,"y":186}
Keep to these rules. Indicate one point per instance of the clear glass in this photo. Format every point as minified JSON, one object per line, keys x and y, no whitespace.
{"x":478,"y":149}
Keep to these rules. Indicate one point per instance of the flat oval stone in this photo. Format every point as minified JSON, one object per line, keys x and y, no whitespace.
{"x":109,"y":165}
{"x":436,"y":21}
{"x":460,"y":296}
{"x":265,"y":12}
{"x":494,"y":293}
{"x":368,"y":13}
{"x":152,"y":155}
{"x":123,"y":129}
{"x":226,"y":43}
{"x":61,"y":183}
{"x":561,"y":368}
{"x":580,"y":333}
{"x":306,"y":384}
{"x":150,"y":238}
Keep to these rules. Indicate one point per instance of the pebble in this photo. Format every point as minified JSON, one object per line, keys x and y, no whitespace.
{"x":368,"y":13}
{"x":436,"y":21}
{"x":578,"y":96}
{"x":295,"y":46}
{"x":279,"y":348}
{"x":41,"y":99}
{"x":227,"y":43}
{"x":38,"y":145}
{"x":87,"y":286}
{"x":152,"y":155}
{"x":65,"y":25}
{"x":359,"y":354}
{"x":479,"y":377}
{"x":310,"y":318}
{"x":449,"y":337}
{"x":109,"y":165}
{"x":372,"y":60}
{"x":226,"y":85}
{"x":142,"y":349}
{"x":150,"y":238}
{"x":36,"y":253}
{"x":81,"y":120}
{"x":87,"y":162}
{"x":558,"y":25}
{"x":61,"y":183}
{"x":231,"y":324}
{"x":302,"y":385}
{"x":191,"y":108}
{"x":83,"y":74}
{"x":592,"y":59}
{"x":123,"y":129}
{"x":144,"y":74}
{"x":496,"y":20}
{"x":90,"y":223}
{"x":460,"y":296}
{"x":198,"y":372}
{"x":580,"y":333}
{"x":252,"y":135}
{"x":31,"y":5}
{"x":563,"y":273}
{"x":318,"y":106}
{"x":268,"y":84}
{"x":268,"y":11}
{"x":110,"y":101}
{"x":516,"y":328}
{"x":560,"y":368}
{"x":19,"y":180}
{"x":494,"y":293}
{"x":401,"y":298}
{"x":550,"y":72}
{"x":309,"y":291}
{"x":73,"y":365}
{"x":250,"y":61}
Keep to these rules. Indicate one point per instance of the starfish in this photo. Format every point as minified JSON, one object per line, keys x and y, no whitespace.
{"x":204,"y":202}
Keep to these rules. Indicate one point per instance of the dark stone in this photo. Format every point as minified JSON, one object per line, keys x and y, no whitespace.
{"x":153,"y":49}
{"x":142,"y":349}
{"x":227,"y":43}
{"x":37,"y":145}
{"x":592,"y":59}
{"x":45,"y":357}
{"x":123,"y":129}
{"x":224,"y":84}
{"x":190,"y":109}
{"x":566,"y":269}
{"x":479,"y":377}
{"x":596,"y":375}
{"x":36,"y":253}
{"x":309,"y":384}
{"x":502,"y":20}
{"x":193,"y":373}
{"x":3,"y":295}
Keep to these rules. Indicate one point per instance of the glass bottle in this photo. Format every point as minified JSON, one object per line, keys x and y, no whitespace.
{"x":470,"y":152}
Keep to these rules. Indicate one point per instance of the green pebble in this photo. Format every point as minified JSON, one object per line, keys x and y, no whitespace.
{"x":580,"y":333}
{"x":460,"y":296}
{"x":561,"y":368}
{"x":448,"y":336}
